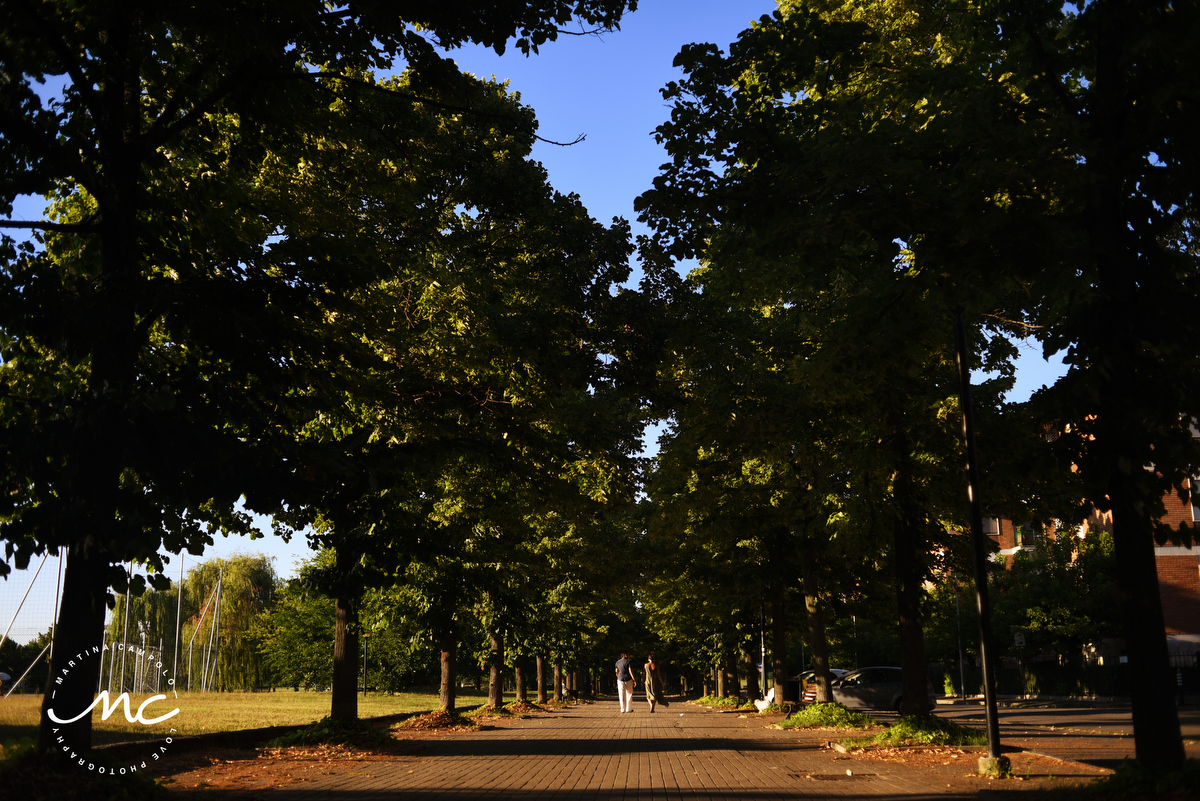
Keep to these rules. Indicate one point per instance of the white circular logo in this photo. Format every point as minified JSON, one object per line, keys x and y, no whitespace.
{"x":90,"y":760}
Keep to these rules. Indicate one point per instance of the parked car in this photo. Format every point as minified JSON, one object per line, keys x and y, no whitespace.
{"x":874,"y":688}
{"x":808,"y":683}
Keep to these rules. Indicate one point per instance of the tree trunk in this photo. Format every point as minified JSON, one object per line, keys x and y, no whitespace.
{"x":817,"y":639}
{"x":719,"y":682}
{"x":541,"y":679}
{"x":1157,"y":738}
{"x":558,"y":679}
{"x":449,"y":685}
{"x":496,"y":671}
{"x":80,"y":630}
{"x":520,"y":673}
{"x":732,"y":685}
{"x":779,"y":646}
{"x":1158,"y":741}
{"x":92,"y":476}
{"x":750,"y":662}
{"x":344,"y":701}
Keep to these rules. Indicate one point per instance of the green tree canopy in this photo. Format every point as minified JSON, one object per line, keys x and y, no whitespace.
{"x":1029,"y":163}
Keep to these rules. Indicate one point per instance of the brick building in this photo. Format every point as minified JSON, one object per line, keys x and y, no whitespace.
{"x":1178,"y":568}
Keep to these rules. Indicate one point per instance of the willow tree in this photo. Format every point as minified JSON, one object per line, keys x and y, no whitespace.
{"x":248,"y":587}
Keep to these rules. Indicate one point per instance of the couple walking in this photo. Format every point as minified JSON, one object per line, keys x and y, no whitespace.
{"x":626,"y":683}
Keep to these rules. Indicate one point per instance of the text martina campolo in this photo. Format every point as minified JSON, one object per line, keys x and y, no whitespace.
{"x":108,"y":709}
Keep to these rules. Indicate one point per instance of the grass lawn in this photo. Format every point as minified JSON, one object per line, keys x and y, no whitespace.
{"x":200,"y":713}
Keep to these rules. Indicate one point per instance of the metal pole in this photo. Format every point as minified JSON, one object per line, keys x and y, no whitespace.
{"x":103,"y":645}
{"x":139,"y":679}
{"x":212,"y":632}
{"x":762,"y":644}
{"x":178,"y":621}
{"x":977,"y":539}
{"x":217,"y":622}
{"x":58,"y":594}
{"x":112,"y":663}
{"x":195,"y":631}
{"x":26,"y":673}
{"x":125,"y":634}
{"x":854,"y":622}
{"x":962,"y":678}
{"x":23,"y":597}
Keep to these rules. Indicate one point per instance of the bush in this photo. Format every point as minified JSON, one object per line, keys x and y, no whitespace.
{"x":716,"y":701}
{"x":486,"y":711}
{"x":777,"y":709}
{"x":13,"y":748}
{"x":913,"y":730}
{"x":828,"y":716}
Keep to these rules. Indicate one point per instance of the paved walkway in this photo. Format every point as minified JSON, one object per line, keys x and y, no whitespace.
{"x":1095,"y":736}
{"x":595,"y":752}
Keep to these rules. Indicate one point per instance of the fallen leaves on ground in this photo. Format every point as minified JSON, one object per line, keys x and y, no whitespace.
{"x":436,"y":721}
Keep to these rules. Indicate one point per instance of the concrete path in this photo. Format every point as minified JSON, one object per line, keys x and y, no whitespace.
{"x":1095,"y":736}
{"x":595,"y":752}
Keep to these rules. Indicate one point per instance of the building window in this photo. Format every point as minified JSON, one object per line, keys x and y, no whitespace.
{"x":1194,"y":484}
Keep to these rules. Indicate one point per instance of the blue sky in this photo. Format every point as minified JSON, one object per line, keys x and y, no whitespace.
{"x":604,"y":87}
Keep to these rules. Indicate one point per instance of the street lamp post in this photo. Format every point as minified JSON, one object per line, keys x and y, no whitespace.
{"x":993,"y":764}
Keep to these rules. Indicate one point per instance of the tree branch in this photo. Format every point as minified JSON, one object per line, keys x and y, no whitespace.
{"x":576,"y":141}
{"x":82,"y":228}
{"x":593,"y":32}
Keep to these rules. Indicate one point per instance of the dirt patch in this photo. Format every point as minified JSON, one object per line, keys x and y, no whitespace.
{"x":242,"y":773}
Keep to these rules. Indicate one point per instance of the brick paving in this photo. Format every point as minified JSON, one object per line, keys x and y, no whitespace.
{"x":595,"y":752}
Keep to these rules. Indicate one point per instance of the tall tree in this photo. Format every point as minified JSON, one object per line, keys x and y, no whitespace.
{"x":133,"y":339}
{"x":1031,"y":163}
{"x":248,"y":584}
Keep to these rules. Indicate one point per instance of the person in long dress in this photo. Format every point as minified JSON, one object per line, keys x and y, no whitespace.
{"x":654,"y":684}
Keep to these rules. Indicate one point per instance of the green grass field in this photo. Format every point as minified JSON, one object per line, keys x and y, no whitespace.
{"x":214,"y":712}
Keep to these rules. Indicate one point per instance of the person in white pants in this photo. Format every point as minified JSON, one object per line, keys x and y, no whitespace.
{"x":625,"y":682}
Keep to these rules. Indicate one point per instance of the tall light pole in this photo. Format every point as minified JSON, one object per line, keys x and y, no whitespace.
{"x":993,"y":763}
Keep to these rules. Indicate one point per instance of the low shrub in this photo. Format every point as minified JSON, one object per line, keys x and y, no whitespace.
{"x":15,"y":747}
{"x":486,"y":711}
{"x":777,"y":709}
{"x":913,"y":730}
{"x":827,"y":716}
{"x":717,"y":701}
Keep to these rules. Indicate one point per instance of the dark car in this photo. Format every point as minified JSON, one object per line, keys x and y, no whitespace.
{"x":874,"y":688}
{"x":808,"y":683}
